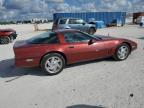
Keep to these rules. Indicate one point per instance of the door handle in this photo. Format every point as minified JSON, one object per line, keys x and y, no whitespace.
{"x":71,"y":46}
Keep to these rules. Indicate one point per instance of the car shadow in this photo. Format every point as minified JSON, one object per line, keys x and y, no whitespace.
{"x":84,"y":106}
{"x":8,"y":69}
{"x":110,"y":59}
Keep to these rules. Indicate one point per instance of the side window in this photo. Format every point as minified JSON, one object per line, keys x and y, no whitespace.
{"x":52,"y":39}
{"x":79,"y":21}
{"x":76,"y":37}
{"x":76,"y":21}
{"x":62,"y":21}
{"x":72,"y":21}
{"x":45,"y":38}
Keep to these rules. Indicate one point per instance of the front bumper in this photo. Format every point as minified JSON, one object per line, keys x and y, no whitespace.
{"x":134,"y":46}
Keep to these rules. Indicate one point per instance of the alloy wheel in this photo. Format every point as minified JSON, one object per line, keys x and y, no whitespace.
{"x":53,"y":64}
{"x":123,"y":52}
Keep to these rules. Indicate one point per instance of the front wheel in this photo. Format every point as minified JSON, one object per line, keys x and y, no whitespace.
{"x":122,"y":52}
{"x":5,"y":40}
{"x":92,"y":31}
{"x":53,"y":63}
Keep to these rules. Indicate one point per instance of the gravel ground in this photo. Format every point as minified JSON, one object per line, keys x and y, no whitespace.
{"x":98,"y":84}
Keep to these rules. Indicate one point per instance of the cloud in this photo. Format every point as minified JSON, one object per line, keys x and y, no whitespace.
{"x":88,"y":7}
{"x":15,"y":4}
{"x":26,"y":9}
{"x":56,"y":1}
{"x":62,"y":7}
{"x":38,"y":6}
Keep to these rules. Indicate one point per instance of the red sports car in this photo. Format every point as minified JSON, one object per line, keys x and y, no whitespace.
{"x":53,"y":50}
{"x":7,"y":36}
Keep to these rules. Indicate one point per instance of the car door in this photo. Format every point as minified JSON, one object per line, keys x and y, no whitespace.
{"x":74,"y":24}
{"x":83,"y":25}
{"x":78,"y":48}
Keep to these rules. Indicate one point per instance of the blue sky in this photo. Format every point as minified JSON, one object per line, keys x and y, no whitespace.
{"x":27,"y":9}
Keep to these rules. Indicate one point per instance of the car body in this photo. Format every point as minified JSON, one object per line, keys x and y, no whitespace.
{"x":74,"y":23}
{"x":71,"y":46}
{"x":7,"y":35}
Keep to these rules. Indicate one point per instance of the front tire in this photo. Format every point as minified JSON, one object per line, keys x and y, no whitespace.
{"x":122,"y":52}
{"x":92,"y":31}
{"x":53,"y":63}
{"x":5,"y":40}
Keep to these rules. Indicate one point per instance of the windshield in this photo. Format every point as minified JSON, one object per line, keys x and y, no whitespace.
{"x":93,"y":36}
{"x":44,"y":38}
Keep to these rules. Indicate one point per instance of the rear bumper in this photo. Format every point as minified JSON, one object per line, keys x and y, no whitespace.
{"x":27,"y":62}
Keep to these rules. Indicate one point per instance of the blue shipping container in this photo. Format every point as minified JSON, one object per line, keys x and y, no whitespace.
{"x":106,"y":17}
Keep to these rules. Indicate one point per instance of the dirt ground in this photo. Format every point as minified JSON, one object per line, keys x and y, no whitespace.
{"x":102,"y":83}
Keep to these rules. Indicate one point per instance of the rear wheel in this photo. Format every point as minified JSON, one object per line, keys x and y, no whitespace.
{"x":53,"y":63}
{"x":122,"y":52}
{"x":5,"y":40}
{"x":92,"y":31}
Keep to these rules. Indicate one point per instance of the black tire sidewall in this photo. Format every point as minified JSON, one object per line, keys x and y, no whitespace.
{"x":46,"y":57}
{"x":93,"y":30}
{"x":5,"y":37}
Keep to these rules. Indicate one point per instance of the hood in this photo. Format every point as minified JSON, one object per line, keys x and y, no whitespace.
{"x":19,"y":44}
{"x":105,"y":37}
{"x":7,"y":30}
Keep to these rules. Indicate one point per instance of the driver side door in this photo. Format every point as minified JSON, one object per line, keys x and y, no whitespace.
{"x":77,"y":48}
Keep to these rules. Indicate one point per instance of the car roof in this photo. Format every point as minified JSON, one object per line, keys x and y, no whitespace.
{"x":69,"y":18}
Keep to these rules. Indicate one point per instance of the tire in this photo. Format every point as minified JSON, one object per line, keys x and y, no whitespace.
{"x":53,"y":63}
{"x":11,"y":39}
{"x":141,"y":24}
{"x":5,"y":40}
{"x":122,"y":52}
{"x":92,"y":31}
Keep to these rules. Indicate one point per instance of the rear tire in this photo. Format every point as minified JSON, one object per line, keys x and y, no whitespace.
{"x":53,"y":63}
{"x":92,"y":31}
{"x":122,"y":52}
{"x":5,"y":40}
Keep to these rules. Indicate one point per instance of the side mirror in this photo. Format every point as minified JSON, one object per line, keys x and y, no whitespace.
{"x":91,"y":41}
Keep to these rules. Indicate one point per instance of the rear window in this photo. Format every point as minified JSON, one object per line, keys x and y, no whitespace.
{"x":76,"y":21}
{"x":44,"y":38}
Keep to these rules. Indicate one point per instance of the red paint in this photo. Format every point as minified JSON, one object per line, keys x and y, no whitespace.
{"x":81,"y":51}
{"x":6,"y":32}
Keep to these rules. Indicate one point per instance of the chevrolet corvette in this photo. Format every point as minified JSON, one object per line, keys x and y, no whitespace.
{"x":7,"y":35}
{"x":52,"y":51}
